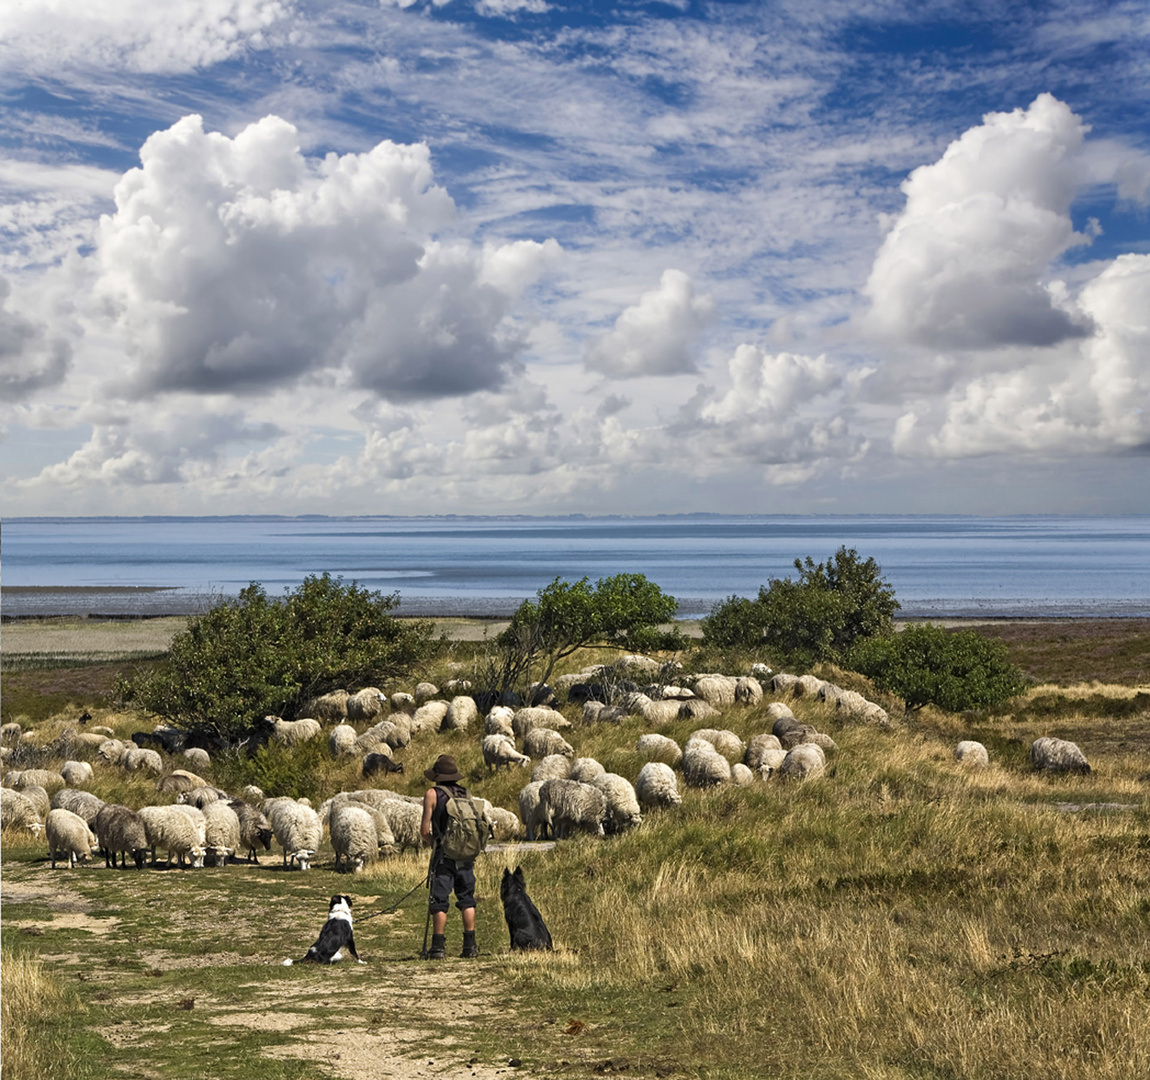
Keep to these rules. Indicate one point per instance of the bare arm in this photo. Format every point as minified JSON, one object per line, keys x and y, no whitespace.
{"x":429,"y":801}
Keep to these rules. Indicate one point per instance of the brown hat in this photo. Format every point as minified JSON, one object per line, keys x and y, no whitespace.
{"x":444,"y":771}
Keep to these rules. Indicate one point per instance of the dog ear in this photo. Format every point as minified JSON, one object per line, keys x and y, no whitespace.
{"x":506,"y":874}
{"x":519,"y":875}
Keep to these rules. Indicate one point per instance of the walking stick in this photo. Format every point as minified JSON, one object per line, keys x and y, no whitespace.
{"x":430,"y":875}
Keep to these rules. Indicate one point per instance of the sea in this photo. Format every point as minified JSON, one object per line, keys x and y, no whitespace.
{"x":941,"y":567}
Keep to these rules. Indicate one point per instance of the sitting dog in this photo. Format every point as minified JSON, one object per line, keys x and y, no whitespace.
{"x":334,"y":936}
{"x":528,"y":930}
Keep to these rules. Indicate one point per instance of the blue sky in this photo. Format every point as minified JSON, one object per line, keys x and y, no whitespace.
{"x":514,"y":255}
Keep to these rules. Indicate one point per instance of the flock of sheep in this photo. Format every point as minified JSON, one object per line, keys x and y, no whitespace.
{"x":565,"y":793}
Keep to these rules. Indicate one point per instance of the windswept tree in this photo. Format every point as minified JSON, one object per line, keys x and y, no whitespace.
{"x":252,"y":655}
{"x":623,"y":612}
{"x":818,"y":616}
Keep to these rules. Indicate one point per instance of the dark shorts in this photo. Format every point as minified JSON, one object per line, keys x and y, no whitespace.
{"x":450,"y":875}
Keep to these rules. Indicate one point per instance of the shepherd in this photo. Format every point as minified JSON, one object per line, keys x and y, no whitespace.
{"x":459,"y":830}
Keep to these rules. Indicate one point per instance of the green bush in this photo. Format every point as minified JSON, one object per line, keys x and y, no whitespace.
{"x":819,"y":616}
{"x":253,"y":656}
{"x":928,"y":665}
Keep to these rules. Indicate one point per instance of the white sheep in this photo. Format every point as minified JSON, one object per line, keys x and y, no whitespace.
{"x":540,"y":742}
{"x":655,"y":747}
{"x":424,"y":692}
{"x":498,"y":721}
{"x":717,"y":691}
{"x":804,"y":762}
{"x":172,"y":829}
{"x":403,"y":818}
{"x":741,"y":775}
{"x":69,"y":837}
{"x":572,"y":805}
{"x":297,"y":829}
{"x":295,"y":732}
{"x":120,"y":831}
{"x":76,"y":773}
{"x":585,"y":769}
{"x":142,"y":759}
{"x":782,"y":683}
{"x":807,"y":686}
{"x":537,"y":716}
{"x":971,"y":753}
{"x":429,"y":716}
{"x":622,"y":803}
{"x":18,"y":812}
{"x":665,"y":711}
{"x":500,"y":750}
{"x":197,"y":757}
{"x":552,"y":767}
{"x":341,"y":741}
{"x":50,"y":780}
{"x":10,"y":733}
{"x":403,"y":703}
{"x":461,"y":713}
{"x":222,"y":831}
{"x":328,"y":707}
{"x":779,"y":710}
{"x":353,"y":835}
{"x":389,"y":732}
{"x":748,"y":691}
{"x":180,"y":780}
{"x":703,"y":765}
{"x":82,"y":803}
{"x":504,"y":824}
{"x":38,"y":797}
{"x":727,"y":743}
{"x":753,"y":758}
{"x":536,"y":820}
{"x":457,"y":686}
{"x":592,"y":710}
{"x":697,"y":709}
{"x":113,"y":750}
{"x":201,"y":796}
{"x":656,"y":786}
{"x":1057,"y":755}
{"x":367,"y":704}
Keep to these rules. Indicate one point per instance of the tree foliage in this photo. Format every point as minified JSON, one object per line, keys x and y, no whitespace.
{"x":818,"y":616}
{"x":929,"y":665}
{"x":624,"y":612}
{"x":252,"y":655}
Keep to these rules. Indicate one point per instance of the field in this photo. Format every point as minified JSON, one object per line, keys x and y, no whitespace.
{"x":899,"y":918}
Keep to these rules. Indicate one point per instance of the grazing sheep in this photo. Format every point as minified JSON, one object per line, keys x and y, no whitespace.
{"x":782,"y":683}
{"x":850,"y":705}
{"x":102,"y":729}
{"x":69,"y":837}
{"x":48,"y":779}
{"x":585,"y":769}
{"x":748,"y":691}
{"x":504,"y":824}
{"x":552,"y":767}
{"x":255,"y":829}
{"x":741,"y":775}
{"x":180,"y":780}
{"x":120,"y":831}
{"x":328,"y":707}
{"x":403,"y":703}
{"x":388,"y":733}
{"x":113,"y":750}
{"x":172,"y":829}
{"x":822,"y":739}
{"x":38,"y":797}
{"x":703,"y":765}
{"x":379,"y":796}
{"x":655,"y":747}
{"x":805,"y":762}
{"x":457,"y":686}
{"x":353,"y":836}
{"x":660,"y":712}
{"x":498,"y":721}
{"x":716,"y":690}
{"x":778,"y":710}
{"x":76,"y":773}
{"x":293,"y":732}
{"x":221,"y":832}
{"x":18,"y":812}
{"x":727,"y":743}
{"x":252,"y":795}
{"x":82,"y":803}
{"x":1057,"y":755}
{"x":536,"y":820}
{"x":591,"y":712}
{"x":367,"y":704}
{"x":86,"y":740}
{"x":770,"y":761}
{"x":537,"y":716}
{"x":877,"y":715}
{"x":760,"y":671}
{"x":697,"y":709}
{"x":500,"y":750}
{"x":656,"y":786}
{"x":341,"y":741}
{"x":202,"y":796}
{"x":10,"y":733}
{"x":788,"y":723}
{"x":968,"y":752}
{"x":403,"y":818}
{"x":380,"y":761}
{"x":429,"y":716}
{"x":807,"y":686}
{"x":142,"y":759}
{"x":297,"y":829}
{"x":572,"y":805}
{"x":461,"y":713}
{"x":633,"y":703}
{"x":198,"y":757}
{"x":757,"y":746}
{"x":622,"y":802}
{"x":540,"y":742}
{"x":424,"y":692}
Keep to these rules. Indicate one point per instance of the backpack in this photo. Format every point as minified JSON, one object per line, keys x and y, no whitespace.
{"x":467,"y":830}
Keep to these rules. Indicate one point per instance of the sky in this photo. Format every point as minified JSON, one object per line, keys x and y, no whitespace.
{"x":535,"y":257}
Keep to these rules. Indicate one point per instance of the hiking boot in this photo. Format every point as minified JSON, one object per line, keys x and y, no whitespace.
{"x":438,"y":950}
{"x":470,"y":949}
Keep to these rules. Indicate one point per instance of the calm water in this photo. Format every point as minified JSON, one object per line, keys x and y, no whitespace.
{"x":957,"y":566}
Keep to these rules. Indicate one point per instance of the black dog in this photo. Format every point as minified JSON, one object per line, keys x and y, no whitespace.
{"x":335,"y":935}
{"x":528,"y":930}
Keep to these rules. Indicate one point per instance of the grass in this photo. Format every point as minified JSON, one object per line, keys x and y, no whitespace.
{"x":902,"y":918}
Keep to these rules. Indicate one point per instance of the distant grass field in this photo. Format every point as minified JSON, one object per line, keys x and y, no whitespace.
{"x":901,"y":918}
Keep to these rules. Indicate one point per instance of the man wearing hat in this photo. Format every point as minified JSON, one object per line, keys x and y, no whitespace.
{"x":447,"y":874}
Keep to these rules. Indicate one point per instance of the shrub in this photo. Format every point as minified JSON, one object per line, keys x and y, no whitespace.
{"x":928,"y":665}
{"x":253,"y":656}
{"x":819,"y":616}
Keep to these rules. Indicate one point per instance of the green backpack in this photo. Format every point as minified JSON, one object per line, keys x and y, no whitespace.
{"x":467,"y":831}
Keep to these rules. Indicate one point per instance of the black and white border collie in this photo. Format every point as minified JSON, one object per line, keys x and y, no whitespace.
{"x":335,"y":935}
